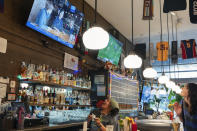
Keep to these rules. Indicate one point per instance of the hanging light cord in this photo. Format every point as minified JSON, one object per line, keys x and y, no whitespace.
{"x":149,"y":39}
{"x":95,"y":13}
{"x":132,"y":20}
{"x":169,"y":45}
{"x":172,"y":27}
{"x":161,"y":39}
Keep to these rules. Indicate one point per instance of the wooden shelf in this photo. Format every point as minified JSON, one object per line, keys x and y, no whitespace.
{"x":53,"y":84}
{"x":32,"y":104}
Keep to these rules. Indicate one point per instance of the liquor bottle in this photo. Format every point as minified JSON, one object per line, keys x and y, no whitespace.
{"x":54,"y":96}
{"x":57,"y":96}
{"x":44,"y":72}
{"x":74,"y":80}
{"x":57,"y":77}
{"x":89,"y":83}
{"x":35,"y":96}
{"x":47,"y":73}
{"x":46,"y":97}
{"x":54,"y":76}
{"x":32,"y":97}
{"x":68,"y":79}
{"x":23,"y":70}
{"x":49,"y":95}
{"x":41,"y":97}
{"x":65,"y":79}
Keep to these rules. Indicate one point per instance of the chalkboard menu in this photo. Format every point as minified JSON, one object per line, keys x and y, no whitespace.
{"x":124,"y":91}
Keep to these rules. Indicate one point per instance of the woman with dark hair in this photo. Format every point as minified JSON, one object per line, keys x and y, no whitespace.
{"x":187,"y":111}
{"x":99,"y":119}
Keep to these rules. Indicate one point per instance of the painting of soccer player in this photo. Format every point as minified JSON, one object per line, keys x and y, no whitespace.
{"x":187,"y":111}
{"x":58,"y":22}
{"x":44,"y":15}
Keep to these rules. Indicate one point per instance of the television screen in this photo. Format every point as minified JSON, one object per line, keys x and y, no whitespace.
{"x":57,"y":19}
{"x":112,"y":52}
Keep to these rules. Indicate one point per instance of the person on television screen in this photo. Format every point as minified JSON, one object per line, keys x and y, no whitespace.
{"x":44,"y":15}
{"x":187,"y":111}
{"x":58,"y":22}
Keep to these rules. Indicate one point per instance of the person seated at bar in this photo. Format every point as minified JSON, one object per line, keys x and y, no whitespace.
{"x":44,"y":15}
{"x":107,"y":114}
{"x":187,"y":111}
{"x":58,"y":22}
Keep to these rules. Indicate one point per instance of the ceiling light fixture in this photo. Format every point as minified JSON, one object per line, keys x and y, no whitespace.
{"x":163,"y":78}
{"x":149,"y":72}
{"x":170,"y":84}
{"x":95,"y":38}
{"x":132,"y":60}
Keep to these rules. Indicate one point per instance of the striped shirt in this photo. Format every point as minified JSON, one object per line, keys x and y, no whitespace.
{"x":189,"y":121}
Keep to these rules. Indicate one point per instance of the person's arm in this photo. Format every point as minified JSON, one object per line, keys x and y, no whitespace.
{"x":178,"y":110}
{"x":99,"y":124}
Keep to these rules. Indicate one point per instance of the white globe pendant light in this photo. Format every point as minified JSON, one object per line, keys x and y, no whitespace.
{"x":163,"y":79}
{"x":170,"y":84}
{"x":149,"y":73}
{"x":95,"y":38}
{"x":133,"y":61}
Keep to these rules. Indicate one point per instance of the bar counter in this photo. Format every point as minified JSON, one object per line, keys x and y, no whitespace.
{"x":52,"y":126}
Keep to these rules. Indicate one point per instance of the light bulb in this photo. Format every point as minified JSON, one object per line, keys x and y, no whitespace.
{"x":150,"y":73}
{"x":163,"y":79}
{"x":132,"y":61}
{"x":96,"y":38}
{"x":170,"y":84}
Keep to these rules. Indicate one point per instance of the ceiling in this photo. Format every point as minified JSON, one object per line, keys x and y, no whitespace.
{"x":118,"y":13}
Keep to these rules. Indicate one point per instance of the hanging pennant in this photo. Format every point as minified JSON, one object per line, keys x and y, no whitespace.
{"x":148,"y":10}
{"x":174,"y":55}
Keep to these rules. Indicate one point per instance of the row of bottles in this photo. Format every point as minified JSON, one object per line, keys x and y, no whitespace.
{"x":56,"y":96}
{"x":47,"y":74}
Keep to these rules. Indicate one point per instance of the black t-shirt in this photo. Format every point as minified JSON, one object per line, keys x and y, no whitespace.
{"x":193,"y":11}
{"x":174,"y":5}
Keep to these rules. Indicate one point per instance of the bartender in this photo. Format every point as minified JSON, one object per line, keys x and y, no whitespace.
{"x":106,"y":115}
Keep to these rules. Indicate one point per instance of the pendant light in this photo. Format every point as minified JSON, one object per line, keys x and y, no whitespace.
{"x":170,"y":84}
{"x":95,"y":38}
{"x":149,"y":72}
{"x":132,"y":60}
{"x":163,"y":78}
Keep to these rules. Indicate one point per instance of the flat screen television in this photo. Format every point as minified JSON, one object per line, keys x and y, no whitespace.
{"x":57,"y":19}
{"x":112,"y":52}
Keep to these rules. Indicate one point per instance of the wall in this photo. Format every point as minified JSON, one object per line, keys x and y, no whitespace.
{"x":25,"y":44}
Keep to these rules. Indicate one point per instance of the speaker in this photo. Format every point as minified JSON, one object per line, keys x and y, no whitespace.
{"x":140,"y":49}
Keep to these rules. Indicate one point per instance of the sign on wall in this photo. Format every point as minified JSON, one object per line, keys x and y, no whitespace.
{"x":71,"y":62}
